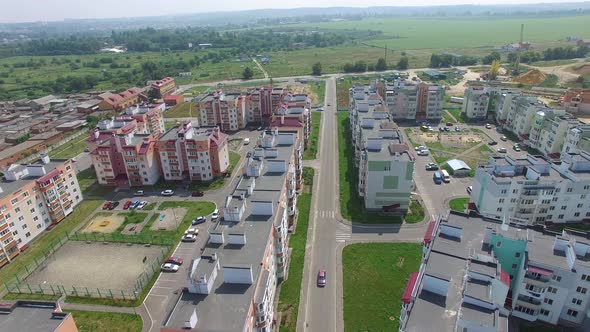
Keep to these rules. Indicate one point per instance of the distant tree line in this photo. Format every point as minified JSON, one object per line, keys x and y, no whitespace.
{"x":448,"y":60}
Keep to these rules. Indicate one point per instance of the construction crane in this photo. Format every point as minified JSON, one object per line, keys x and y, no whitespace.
{"x":519,"y":51}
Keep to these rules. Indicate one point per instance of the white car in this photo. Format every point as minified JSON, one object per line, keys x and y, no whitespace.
{"x":215,"y":214}
{"x":167,"y":192}
{"x":169,"y":267}
{"x":142,"y":205}
{"x":246,"y":141}
{"x":469,"y":189}
{"x":189,"y":238}
{"x":191,"y":230}
{"x":501,"y":150}
{"x":423,"y":152}
{"x":421,"y":147}
{"x":488,"y":126}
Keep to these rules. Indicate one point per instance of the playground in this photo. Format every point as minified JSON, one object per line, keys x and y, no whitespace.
{"x":104,"y":222}
{"x":168,"y":219}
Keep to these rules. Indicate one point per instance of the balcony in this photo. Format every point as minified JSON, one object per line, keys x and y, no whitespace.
{"x":529,"y":301}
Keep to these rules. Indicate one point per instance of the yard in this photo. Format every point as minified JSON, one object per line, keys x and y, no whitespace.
{"x":374,"y":278}
{"x":47,"y":240}
{"x":459,"y":204}
{"x":96,"y":321}
{"x":314,"y":137}
{"x":70,"y":149}
{"x":184,"y":110}
{"x":291,"y":288}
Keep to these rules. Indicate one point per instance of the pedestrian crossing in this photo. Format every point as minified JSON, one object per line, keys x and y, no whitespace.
{"x":343,"y":233}
{"x":326,"y":214}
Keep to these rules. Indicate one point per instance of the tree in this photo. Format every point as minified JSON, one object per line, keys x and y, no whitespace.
{"x":403,"y":63}
{"x":494,"y":69}
{"x":247,"y":74}
{"x":381,"y":65}
{"x":316,"y":69}
{"x":488,"y":59}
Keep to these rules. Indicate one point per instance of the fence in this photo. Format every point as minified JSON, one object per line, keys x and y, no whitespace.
{"x":157,"y":239}
{"x":20,"y":286}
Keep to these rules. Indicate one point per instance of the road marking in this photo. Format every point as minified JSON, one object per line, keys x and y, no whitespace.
{"x":162,"y":288}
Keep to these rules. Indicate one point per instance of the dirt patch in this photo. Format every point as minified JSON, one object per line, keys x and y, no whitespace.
{"x":104,"y":224}
{"x":531,"y":77}
{"x":582,"y":70}
{"x":169,"y":219}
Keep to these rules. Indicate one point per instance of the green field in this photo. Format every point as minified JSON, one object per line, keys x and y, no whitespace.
{"x":70,"y":149}
{"x":184,"y":110}
{"x":374,"y":279}
{"x":95,"y":321}
{"x":314,"y":137}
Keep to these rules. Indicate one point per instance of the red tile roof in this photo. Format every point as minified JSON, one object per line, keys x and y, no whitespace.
{"x":407,"y":296}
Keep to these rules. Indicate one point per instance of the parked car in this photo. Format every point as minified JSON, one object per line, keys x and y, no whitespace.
{"x":420,"y":147}
{"x":50,"y":227}
{"x":113,"y":205}
{"x":469,"y":189}
{"x":488,"y":126}
{"x":329,"y":104}
{"x":174,"y":260}
{"x":189,"y":238}
{"x":441,"y":129}
{"x":431,"y":167}
{"x":167,"y":192}
{"x":106,"y":205}
{"x":501,"y":150}
{"x":259,"y":128}
{"x":246,"y":141}
{"x":516,"y":147}
{"x":320,"y":109}
{"x":447,"y":129}
{"x":423,"y":152}
{"x":450,"y":124}
{"x":127,"y":205}
{"x":142,"y":205}
{"x":86,"y":150}
{"x":492,"y":143}
{"x":134,"y":205}
{"x":138,"y":193}
{"x":199,"y":220}
{"x":457,"y":129}
{"x":504,"y":138}
{"x":192,"y":230}
{"x":169,"y":267}
{"x":322,"y":278}
{"x":197,"y":194}
{"x":215,"y":214}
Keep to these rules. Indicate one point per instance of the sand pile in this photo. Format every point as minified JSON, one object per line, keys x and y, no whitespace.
{"x":531,"y":77}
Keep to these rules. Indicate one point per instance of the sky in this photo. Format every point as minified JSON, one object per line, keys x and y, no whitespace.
{"x":55,"y":10}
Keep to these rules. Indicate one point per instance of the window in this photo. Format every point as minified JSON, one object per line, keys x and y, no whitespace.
{"x":576,"y":301}
{"x":28,"y":234}
{"x":563,"y":207}
{"x":39,"y":226}
{"x":577,"y":214}
{"x":551,"y":208}
{"x":552,"y":290}
{"x":581,"y":290}
{"x":499,"y":209}
{"x":544,"y":312}
{"x":548,"y":301}
{"x":503,"y":191}
{"x":560,"y":216}
{"x":572,"y":312}
{"x":580,"y":205}
{"x":513,"y":200}
{"x":29,"y":202}
{"x":513,"y":266}
{"x":585,"y":277}
{"x":501,"y":200}
{"x":17,"y":210}
{"x":514,"y":191}
{"x":517,"y":255}
{"x":21,"y":218}
{"x":14,"y":201}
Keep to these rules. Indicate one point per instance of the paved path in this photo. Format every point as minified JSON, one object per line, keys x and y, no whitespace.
{"x":261,"y":68}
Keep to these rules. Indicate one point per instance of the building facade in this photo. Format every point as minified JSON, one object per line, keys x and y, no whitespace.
{"x":164,"y":87}
{"x":577,"y":101}
{"x":119,"y":101}
{"x":476,"y":102}
{"x":225,"y":110}
{"x":577,"y":139}
{"x":410,"y":100}
{"x":33,"y":197}
{"x":198,"y":154}
{"x":532,"y":190}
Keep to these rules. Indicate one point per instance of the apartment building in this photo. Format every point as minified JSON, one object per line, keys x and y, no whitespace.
{"x":503,"y":104}
{"x":519,"y":119}
{"x":126,"y":160}
{"x":549,"y":129}
{"x":225,"y":110}
{"x":164,"y":87}
{"x":32,"y":197}
{"x":246,"y":256}
{"x":476,"y":102}
{"x":385,"y":166}
{"x":289,"y":118}
{"x":486,"y":271}
{"x":119,"y":101}
{"x":149,"y":118}
{"x":577,"y":139}
{"x":36,"y":316}
{"x":577,"y":101}
{"x":411,"y":100}
{"x":262,"y":103}
{"x":532,"y":190}
{"x":198,"y":154}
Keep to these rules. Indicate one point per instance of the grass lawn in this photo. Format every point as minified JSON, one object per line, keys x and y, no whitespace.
{"x":169,"y":124}
{"x":150,"y":206}
{"x":132,"y":217}
{"x":42,"y":244}
{"x":314,"y":137}
{"x":456,"y":112}
{"x":70,"y":149}
{"x":291,"y":288}
{"x":374,"y":278}
{"x":342,"y":87}
{"x":39,"y":297}
{"x":86,"y":178}
{"x":318,"y":92}
{"x":459,"y":204}
{"x":96,"y":321}
{"x":182,"y":110}
{"x":578,"y":227}
{"x":351,"y":206}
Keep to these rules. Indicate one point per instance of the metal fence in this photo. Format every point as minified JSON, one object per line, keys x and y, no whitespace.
{"x":160,"y":240}
{"x":19,"y":285}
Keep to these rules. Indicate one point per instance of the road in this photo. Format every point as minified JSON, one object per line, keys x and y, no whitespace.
{"x":261,"y":68}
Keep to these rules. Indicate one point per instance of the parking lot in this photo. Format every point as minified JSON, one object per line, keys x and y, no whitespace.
{"x":96,"y":265}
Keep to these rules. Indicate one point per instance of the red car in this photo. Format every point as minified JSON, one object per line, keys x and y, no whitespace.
{"x":197,"y":194}
{"x":127,"y":205}
{"x":106,"y":205}
{"x":174,"y":260}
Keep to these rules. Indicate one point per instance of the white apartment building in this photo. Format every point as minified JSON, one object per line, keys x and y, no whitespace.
{"x":469,"y":263}
{"x":411,"y":100}
{"x":503,"y":104}
{"x":246,"y":254}
{"x":577,"y":139}
{"x":549,"y":130}
{"x":520,"y":116}
{"x":476,"y":102}
{"x":532,"y":190}
{"x":32,"y":197}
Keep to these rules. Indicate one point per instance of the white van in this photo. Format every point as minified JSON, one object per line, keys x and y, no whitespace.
{"x":445,"y":176}
{"x":246,"y":141}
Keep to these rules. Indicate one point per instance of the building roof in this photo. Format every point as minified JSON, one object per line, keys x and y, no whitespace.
{"x":30,"y":316}
{"x":458,"y":165}
{"x":9,"y":187}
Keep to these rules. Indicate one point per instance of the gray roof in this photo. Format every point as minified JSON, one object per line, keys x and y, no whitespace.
{"x":457,"y":165}
{"x":8,"y":187}
{"x":31,"y":316}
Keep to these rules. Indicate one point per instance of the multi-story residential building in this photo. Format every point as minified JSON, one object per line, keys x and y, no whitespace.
{"x":198,"y":154}
{"x":409,"y":100}
{"x":532,"y":190}
{"x":503,"y":104}
{"x":577,"y":139}
{"x":225,"y":110}
{"x":149,"y":118}
{"x":289,"y":118}
{"x":262,"y":103}
{"x":577,"y":101}
{"x":384,"y":164}
{"x":246,"y":254}
{"x":549,"y":130}
{"x":476,"y":102}
{"x":126,"y":159}
{"x":520,"y":116}
{"x":164,"y":87}
{"x":32,"y":197}
{"x":486,"y":271}
{"x":119,"y":101}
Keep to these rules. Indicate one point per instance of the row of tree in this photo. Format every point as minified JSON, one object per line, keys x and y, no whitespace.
{"x":448,"y":60}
